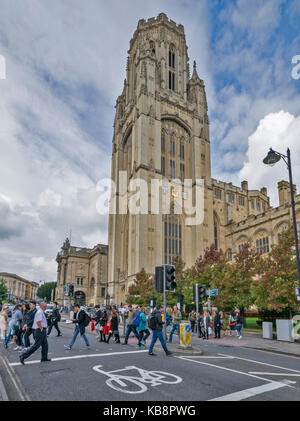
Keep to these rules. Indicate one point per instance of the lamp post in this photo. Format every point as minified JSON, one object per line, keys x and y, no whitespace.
{"x":271,"y":159}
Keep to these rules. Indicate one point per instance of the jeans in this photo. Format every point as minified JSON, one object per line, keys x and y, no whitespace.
{"x":40,"y":339}
{"x":131,"y":328}
{"x":142,"y":336}
{"x":9,"y":335}
{"x":192,"y":325}
{"x":239,"y":327}
{"x":174,"y":327}
{"x":27,"y":333}
{"x":75,"y":336}
{"x":157,"y":334}
{"x":55,"y":324}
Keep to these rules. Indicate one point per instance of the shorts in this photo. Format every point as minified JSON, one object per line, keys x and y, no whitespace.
{"x":233,"y":327}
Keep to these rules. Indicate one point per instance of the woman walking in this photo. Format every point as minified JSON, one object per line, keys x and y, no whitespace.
{"x":4,"y":322}
{"x":103,"y":323}
{"x":106,"y":328}
{"x":114,"y":327}
{"x":15,"y":326}
{"x":142,"y":329}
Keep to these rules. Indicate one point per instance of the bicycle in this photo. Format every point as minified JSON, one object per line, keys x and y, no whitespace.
{"x":152,"y":378}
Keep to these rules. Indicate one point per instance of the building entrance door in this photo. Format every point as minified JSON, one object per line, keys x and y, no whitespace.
{"x":79,"y":298}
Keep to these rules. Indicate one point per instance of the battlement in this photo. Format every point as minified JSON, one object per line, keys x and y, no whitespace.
{"x":162,"y":18}
{"x":243,"y":190}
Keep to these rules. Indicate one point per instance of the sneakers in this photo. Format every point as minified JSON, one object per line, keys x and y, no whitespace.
{"x":67,"y":347}
{"x":169,"y":353}
{"x":143,"y":343}
{"x":21,"y":357}
{"x":17,"y":348}
{"x":240,"y":337}
{"x":140,"y":347}
{"x":151,"y":353}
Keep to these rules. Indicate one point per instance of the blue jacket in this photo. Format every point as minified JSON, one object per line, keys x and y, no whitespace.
{"x":16,"y":319}
{"x":143,"y":322}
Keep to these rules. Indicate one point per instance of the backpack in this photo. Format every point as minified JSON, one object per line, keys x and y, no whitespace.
{"x":152,"y":322}
{"x":87,"y":320}
{"x":136,"y":320}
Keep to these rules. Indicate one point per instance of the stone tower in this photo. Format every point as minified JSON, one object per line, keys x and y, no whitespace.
{"x":161,"y":130}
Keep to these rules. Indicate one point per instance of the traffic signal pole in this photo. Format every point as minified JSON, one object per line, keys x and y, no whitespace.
{"x":197,"y":299}
{"x":165,"y":305}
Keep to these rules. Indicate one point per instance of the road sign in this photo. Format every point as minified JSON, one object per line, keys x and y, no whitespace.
{"x":212,"y":292}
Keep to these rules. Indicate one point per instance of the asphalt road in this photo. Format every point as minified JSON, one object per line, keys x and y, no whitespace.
{"x":222,"y":373}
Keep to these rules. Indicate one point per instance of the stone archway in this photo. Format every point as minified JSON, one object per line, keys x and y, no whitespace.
{"x":79,"y":298}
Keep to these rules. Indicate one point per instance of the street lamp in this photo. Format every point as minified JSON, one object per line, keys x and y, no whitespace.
{"x":271,"y":159}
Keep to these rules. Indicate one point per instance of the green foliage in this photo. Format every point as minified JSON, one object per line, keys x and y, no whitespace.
{"x":45,"y":290}
{"x":142,"y":289}
{"x":3,"y":290}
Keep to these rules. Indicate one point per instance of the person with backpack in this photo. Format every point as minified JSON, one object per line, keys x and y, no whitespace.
{"x":192,"y":317}
{"x":27,"y":327}
{"x":55,"y":318}
{"x":232,"y":324}
{"x":142,"y":330}
{"x":155,"y":323}
{"x":131,"y":327}
{"x":81,"y":320}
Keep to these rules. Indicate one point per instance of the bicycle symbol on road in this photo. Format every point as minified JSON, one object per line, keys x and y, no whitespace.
{"x":134,"y":384}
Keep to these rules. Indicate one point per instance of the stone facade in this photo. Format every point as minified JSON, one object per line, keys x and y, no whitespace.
{"x":161,"y":130}
{"x":86,"y":269}
{"x":18,"y":287}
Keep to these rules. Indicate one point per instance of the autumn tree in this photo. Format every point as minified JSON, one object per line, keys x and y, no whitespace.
{"x":274,"y":288}
{"x":235,"y":284}
{"x":142,"y":289}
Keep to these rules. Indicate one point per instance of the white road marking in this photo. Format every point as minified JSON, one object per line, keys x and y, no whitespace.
{"x":81,"y":356}
{"x":275,"y":374}
{"x":209,"y":357}
{"x":259,"y":362}
{"x":248,"y":393}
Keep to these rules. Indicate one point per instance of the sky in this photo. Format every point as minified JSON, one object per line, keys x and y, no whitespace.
{"x":65,"y":66}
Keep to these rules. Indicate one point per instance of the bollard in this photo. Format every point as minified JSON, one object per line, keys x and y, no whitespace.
{"x":185,"y":335}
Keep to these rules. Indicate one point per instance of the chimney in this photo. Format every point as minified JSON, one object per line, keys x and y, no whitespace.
{"x":284,"y":192}
{"x":244,"y":185}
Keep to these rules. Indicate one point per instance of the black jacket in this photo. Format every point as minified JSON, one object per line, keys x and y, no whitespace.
{"x":55,"y":316}
{"x":80,"y":321}
{"x":97,"y":317}
{"x":30,"y":318}
{"x":217,"y":321}
{"x":114,"y":323}
{"x":158,"y":319}
{"x":103,"y":319}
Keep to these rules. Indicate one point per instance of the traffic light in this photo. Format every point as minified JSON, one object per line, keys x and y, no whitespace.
{"x":159,"y":279}
{"x":170,"y":282}
{"x":201,"y":292}
{"x":71,"y":290}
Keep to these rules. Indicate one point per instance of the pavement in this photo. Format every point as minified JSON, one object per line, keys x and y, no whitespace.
{"x":228,"y":369}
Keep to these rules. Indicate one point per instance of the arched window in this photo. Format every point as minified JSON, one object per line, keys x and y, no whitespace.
{"x":152,"y":47}
{"x":172,"y":68}
{"x":172,"y":238}
{"x":216,"y":237}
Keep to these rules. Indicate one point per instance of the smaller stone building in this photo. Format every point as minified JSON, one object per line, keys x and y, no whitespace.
{"x":18,"y":287}
{"x":86,"y":269}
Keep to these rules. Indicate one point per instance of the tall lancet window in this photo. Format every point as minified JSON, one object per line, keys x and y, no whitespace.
{"x":172,"y":238}
{"x":172,"y":68}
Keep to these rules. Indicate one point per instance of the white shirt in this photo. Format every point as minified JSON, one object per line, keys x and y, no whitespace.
{"x":39,"y":317}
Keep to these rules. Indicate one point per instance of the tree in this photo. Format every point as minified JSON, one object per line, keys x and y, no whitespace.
{"x":235,"y":284}
{"x":142,"y":289}
{"x":3,"y":290}
{"x":275,"y":288}
{"x":45,"y":290}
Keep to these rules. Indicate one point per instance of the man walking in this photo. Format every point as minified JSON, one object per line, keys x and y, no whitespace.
{"x":130,"y":326}
{"x":40,"y":335}
{"x":156,"y":325}
{"x":176,"y":320}
{"x":217,"y":325}
{"x":193,"y":316}
{"x":29,"y":323}
{"x":55,"y":318}
{"x":79,"y":320}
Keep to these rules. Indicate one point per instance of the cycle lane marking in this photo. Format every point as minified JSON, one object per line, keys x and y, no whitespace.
{"x":249,"y":393}
{"x":262,"y":363}
{"x":82,"y":356}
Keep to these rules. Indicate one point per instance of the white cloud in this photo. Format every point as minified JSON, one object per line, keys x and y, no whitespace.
{"x":279,"y":131}
{"x":49,"y":198}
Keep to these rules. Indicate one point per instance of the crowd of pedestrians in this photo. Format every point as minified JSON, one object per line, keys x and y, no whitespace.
{"x":29,"y":321}
{"x":206,"y":324}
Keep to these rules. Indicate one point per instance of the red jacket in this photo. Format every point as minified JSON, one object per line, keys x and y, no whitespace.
{"x":106,"y":328}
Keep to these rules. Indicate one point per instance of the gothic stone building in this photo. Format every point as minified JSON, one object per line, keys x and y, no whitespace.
{"x":86,"y":269}
{"x":161,"y":130}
